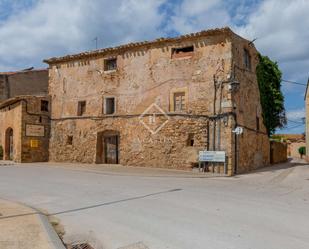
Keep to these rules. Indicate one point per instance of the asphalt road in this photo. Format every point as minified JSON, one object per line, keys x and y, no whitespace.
{"x":268,"y":209}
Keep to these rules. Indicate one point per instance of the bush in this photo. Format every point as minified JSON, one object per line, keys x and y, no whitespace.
{"x":1,"y":152}
{"x":302,"y":151}
{"x":272,"y":100}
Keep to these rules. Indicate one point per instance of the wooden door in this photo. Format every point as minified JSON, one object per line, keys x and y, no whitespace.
{"x":111,"y":149}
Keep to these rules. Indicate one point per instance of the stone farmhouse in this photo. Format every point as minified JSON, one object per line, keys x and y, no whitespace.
{"x":24,"y":115}
{"x":158,"y":103}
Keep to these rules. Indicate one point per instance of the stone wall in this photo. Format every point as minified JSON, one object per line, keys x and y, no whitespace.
{"x":253,"y":147}
{"x":293,"y":148}
{"x":307,"y":122}
{"x":11,"y":118}
{"x":25,"y":117}
{"x":278,"y":152}
{"x":147,"y":75}
{"x":143,"y":77}
{"x":4,"y":89}
{"x":32,"y":82}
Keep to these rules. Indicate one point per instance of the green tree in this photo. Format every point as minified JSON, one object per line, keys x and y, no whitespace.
{"x":302,"y":151}
{"x":272,"y":100}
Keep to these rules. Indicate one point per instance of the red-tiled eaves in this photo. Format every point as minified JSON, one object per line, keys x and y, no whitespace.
{"x":126,"y":47}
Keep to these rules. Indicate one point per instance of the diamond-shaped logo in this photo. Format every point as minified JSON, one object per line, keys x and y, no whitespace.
{"x":154,"y":118}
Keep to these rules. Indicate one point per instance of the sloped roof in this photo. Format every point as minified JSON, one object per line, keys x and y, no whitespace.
{"x":16,"y":99}
{"x":23,"y":71}
{"x":210,"y":32}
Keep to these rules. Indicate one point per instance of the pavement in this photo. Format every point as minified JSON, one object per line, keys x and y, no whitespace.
{"x":112,"y":208}
{"x":25,"y":228}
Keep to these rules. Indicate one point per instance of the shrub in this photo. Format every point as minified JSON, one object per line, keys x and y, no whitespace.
{"x":272,"y":100}
{"x":302,"y":151}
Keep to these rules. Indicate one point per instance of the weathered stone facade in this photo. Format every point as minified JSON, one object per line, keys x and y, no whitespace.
{"x":278,"y":152}
{"x":190,"y":91}
{"x":307,"y":121}
{"x":294,"y":142}
{"x":27,"y":82}
{"x":24,"y":128}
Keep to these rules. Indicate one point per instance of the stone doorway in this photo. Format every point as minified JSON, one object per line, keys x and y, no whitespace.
{"x":9,"y":144}
{"x":108,"y":147}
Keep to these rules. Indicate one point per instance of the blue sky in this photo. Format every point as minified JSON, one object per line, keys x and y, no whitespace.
{"x":31,"y":30}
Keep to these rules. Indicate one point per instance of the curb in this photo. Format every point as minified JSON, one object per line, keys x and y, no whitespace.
{"x":52,"y":237}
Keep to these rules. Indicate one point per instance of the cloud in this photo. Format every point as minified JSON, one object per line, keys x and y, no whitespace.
{"x":54,"y":28}
{"x":32,"y":30}
{"x":296,"y":114}
{"x":195,"y":15}
{"x":281,"y":28}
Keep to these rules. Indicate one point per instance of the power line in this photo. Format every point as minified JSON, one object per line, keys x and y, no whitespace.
{"x":294,"y":82}
{"x":293,"y":127}
{"x":296,"y":122}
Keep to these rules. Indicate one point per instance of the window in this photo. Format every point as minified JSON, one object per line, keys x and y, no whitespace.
{"x":182,"y":52}
{"x":247,"y":59}
{"x":257,"y":124}
{"x":109,"y":105}
{"x":179,"y":101}
{"x":69,"y":140}
{"x":81,"y":108}
{"x":44,"y":105}
{"x":190,"y":141}
{"x":110,"y":64}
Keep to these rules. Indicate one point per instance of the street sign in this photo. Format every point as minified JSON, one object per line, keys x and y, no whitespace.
{"x":212,"y":156}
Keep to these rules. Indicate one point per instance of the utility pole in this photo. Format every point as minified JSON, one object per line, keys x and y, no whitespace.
{"x":96,"y":42}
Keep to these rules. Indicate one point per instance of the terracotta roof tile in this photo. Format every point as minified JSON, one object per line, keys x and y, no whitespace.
{"x":128,"y":46}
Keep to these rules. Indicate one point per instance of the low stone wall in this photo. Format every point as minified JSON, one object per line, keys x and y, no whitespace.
{"x":278,"y":152}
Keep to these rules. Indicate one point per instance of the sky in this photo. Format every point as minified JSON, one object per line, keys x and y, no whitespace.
{"x":32,"y":30}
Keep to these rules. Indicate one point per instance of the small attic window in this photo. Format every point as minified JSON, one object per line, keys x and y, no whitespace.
{"x":182,"y":52}
{"x":110,"y":64}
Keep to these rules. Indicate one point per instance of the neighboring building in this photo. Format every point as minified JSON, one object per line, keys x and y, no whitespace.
{"x":158,"y":103}
{"x":307,"y":121}
{"x":294,"y":142}
{"x":24,"y":115}
{"x":26,"y":82}
{"x":24,"y":126}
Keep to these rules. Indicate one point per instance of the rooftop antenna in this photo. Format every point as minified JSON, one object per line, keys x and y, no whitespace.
{"x":252,"y":41}
{"x":96,"y":42}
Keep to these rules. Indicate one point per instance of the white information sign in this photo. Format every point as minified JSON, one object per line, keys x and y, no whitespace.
{"x":35,"y":130}
{"x":212,"y":156}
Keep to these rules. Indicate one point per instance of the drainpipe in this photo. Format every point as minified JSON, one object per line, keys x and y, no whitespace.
{"x":235,"y":145}
{"x":219,"y":121}
{"x":214,"y":114}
